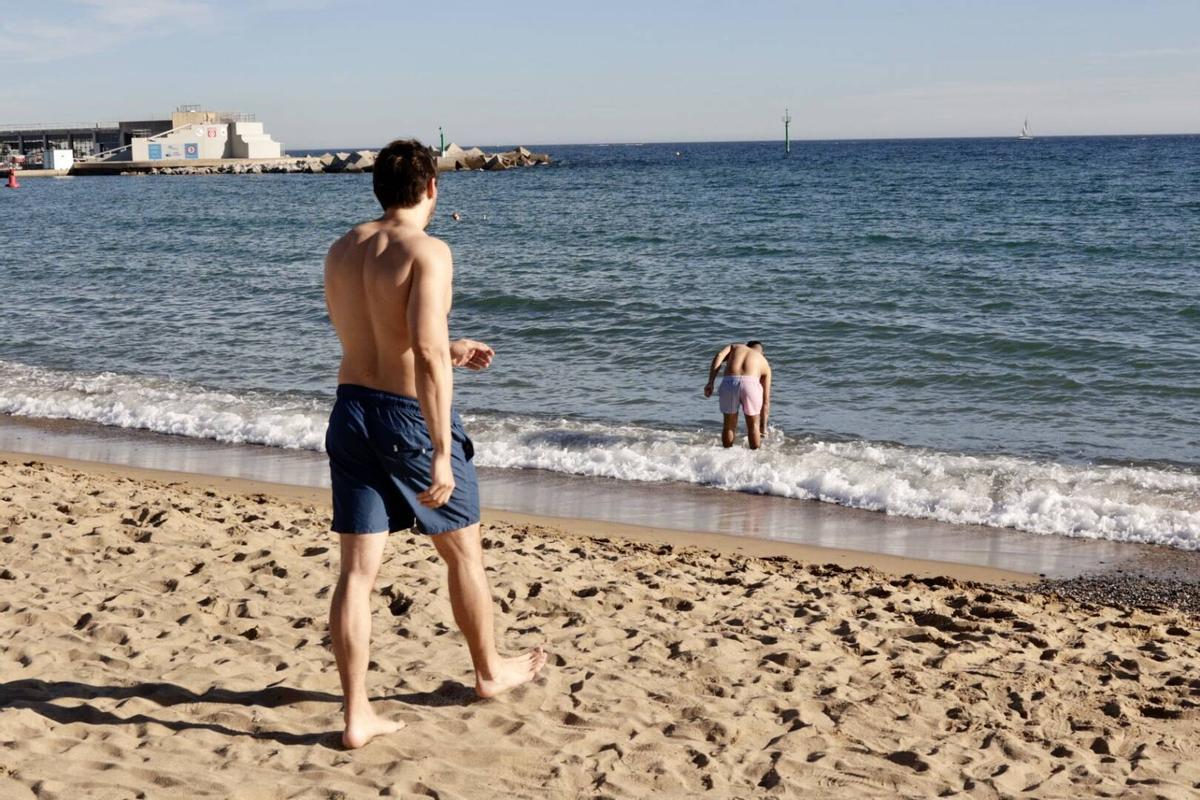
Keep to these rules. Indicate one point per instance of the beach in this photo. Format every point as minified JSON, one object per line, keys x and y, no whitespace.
{"x":934,"y":533}
{"x":166,"y":633}
{"x":965,"y":562}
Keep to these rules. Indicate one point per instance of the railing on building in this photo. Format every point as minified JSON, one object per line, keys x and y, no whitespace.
{"x":57,"y":126}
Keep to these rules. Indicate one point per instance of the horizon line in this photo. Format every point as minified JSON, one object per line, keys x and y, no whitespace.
{"x":643,"y":142}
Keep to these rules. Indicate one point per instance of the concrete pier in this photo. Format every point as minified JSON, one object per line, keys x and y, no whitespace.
{"x":191,"y":164}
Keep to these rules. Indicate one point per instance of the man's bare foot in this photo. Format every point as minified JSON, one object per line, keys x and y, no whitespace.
{"x":511,"y":674}
{"x":362,"y":730}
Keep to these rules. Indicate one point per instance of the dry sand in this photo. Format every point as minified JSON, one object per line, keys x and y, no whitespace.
{"x":167,"y":639}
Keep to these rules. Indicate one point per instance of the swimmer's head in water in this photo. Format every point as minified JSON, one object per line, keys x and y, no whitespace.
{"x":756,"y":344}
{"x":402,"y":173}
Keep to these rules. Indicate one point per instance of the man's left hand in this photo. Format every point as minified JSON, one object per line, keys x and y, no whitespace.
{"x":471,"y":354}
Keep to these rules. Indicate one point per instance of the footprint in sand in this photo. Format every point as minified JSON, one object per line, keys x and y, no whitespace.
{"x":907,"y":758}
{"x":770,"y":779}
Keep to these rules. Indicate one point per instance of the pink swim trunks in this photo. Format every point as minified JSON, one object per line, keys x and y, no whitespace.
{"x":744,"y":390}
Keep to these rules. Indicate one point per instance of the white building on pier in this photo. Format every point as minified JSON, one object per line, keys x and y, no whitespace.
{"x":205,"y":135}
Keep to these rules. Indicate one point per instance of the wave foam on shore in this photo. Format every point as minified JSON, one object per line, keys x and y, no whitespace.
{"x":1151,"y":504}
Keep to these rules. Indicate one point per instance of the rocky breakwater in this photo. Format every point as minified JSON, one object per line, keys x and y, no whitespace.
{"x":305,"y":164}
{"x":453,"y":160}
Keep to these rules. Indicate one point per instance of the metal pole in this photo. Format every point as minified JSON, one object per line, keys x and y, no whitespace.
{"x":787,"y":136}
{"x":441,"y":141}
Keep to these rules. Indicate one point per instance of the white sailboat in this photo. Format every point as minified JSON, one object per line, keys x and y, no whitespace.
{"x":1025,"y":134}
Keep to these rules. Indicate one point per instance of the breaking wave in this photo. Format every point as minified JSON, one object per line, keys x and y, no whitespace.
{"x":1142,"y":503}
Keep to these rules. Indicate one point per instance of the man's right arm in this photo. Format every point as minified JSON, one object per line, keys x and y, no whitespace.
{"x":715,"y":367}
{"x":428,"y":312}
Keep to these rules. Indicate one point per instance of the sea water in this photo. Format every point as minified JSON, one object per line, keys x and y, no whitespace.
{"x":997,"y":332}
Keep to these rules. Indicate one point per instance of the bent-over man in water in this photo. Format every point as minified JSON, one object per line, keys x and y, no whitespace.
{"x":398,"y":455}
{"x":747,"y":383}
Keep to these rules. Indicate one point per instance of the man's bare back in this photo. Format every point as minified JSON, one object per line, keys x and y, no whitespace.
{"x":368,"y":281}
{"x":749,"y":361}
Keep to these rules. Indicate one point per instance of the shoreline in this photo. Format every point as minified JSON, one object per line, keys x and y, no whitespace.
{"x":1164,"y":584}
{"x":593,"y":529}
{"x":753,"y":523}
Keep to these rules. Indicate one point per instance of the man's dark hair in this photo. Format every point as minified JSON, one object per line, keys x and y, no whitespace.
{"x":401,"y":173}
{"x":754,"y":343}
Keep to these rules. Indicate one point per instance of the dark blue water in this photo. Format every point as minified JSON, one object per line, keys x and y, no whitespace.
{"x":979,"y":298}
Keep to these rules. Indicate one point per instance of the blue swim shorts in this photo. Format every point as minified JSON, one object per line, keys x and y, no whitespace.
{"x":379,"y":459}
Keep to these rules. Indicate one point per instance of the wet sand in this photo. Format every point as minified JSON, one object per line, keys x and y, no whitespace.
{"x":164,"y":635}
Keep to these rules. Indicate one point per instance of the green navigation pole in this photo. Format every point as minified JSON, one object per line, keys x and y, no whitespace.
{"x":787,"y":136}
{"x":441,"y":141}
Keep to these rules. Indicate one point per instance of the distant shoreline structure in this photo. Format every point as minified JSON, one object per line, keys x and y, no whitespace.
{"x":327,"y":163}
{"x":195,"y":141}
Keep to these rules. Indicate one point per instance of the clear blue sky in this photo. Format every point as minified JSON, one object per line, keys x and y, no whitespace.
{"x":325,"y":74}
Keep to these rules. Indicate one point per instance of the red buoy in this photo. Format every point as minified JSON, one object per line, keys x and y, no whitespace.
{"x":12,"y":180}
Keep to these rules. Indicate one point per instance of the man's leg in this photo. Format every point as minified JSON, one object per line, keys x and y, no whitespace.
{"x":753,"y":431}
{"x":729,"y":432}
{"x":350,"y":629}
{"x":471,"y":601}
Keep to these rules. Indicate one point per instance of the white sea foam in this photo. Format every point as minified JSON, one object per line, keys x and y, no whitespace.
{"x":1136,"y":504}
{"x":163,"y":406}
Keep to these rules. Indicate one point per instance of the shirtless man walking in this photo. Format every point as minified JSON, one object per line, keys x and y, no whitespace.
{"x":398,"y":454}
{"x":747,"y":383}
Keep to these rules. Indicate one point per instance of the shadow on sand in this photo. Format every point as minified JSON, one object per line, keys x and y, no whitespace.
{"x":40,"y":696}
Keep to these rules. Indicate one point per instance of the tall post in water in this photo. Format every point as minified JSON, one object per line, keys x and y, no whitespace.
{"x":441,"y":141}
{"x":787,"y":135}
